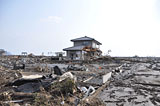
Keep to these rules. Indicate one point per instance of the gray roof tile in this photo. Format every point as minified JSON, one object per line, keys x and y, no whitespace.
{"x":85,"y":38}
{"x":74,"y":48}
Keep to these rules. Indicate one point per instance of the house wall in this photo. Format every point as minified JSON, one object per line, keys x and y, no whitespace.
{"x":94,"y":44}
{"x":83,"y":43}
{"x":74,"y":55}
{"x":83,"y":55}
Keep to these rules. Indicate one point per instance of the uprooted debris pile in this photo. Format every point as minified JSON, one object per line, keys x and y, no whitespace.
{"x":47,"y":90}
{"x":63,"y":92}
{"x":35,"y":80}
{"x":7,"y":75}
{"x":64,"y":87}
{"x":76,"y":68}
{"x":45,"y":95}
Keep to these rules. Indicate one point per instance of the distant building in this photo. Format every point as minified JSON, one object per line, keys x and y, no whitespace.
{"x":84,"y":48}
{"x":59,"y":54}
{"x":24,"y":53}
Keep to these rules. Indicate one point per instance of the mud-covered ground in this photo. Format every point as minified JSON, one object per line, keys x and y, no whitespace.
{"x":31,"y":80}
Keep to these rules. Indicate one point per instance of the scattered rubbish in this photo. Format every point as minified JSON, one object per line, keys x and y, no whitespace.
{"x":31,"y":85}
{"x":22,"y":81}
{"x":76,"y":101}
{"x":67,"y":75}
{"x":64,"y":87}
{"x":17,"y":67}
{"x":84,"y":89}
{"x":90,"y":91}
{"x":76,"y":68}
{"x":88,"y":79}
{"x":57,"y":70}
{"x":14,"y":101}
{"x":38,"y":80}
{"x":106,"y":77}
{"x":31,"y":76}
{"x":62,"y":103}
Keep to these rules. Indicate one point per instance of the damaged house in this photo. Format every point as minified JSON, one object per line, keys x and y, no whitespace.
{"x":84,"y":48}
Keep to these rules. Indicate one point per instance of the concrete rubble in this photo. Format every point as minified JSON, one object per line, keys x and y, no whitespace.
{"x":111,"y":81}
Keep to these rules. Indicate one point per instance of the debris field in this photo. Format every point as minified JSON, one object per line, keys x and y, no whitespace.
{"x":106,"y":81}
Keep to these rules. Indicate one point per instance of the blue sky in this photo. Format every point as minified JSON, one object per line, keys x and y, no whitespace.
{"x":127,"y":27}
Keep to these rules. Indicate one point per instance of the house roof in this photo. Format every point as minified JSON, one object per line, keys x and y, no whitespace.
{"x":85,"y":38}
{"x":74,"y":48}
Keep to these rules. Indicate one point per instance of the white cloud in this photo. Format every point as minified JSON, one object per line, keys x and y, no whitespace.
{"x":53,"y":19}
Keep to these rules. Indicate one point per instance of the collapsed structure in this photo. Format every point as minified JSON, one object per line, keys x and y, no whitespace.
{"x":84,"y":48}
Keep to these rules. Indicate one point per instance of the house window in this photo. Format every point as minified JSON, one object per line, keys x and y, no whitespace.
{"x":85,"y":43}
